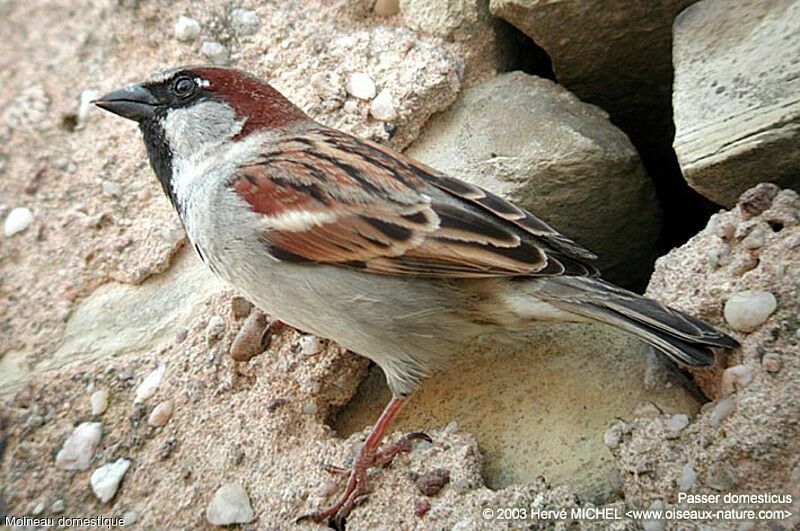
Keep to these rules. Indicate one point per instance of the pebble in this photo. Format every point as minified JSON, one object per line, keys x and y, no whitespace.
{"x":38,"y":509}
{"x":687,"y":479}
{"x":613,"y":435}
{"x":129,"y":517}
{"x":244,"y":21}
{"x":719,"y":255}
{"x":215,"y":329}
{"x":78,"y":449}
{"x":111,"y":188}
{"x":722,"y":410}
{"x":247,"y":342}
{"x":735,"y":378}
{"x":149,"y":385}
{"x":85,"y":103}
{"x":310,"y":345}
{"x":350,"y":106}
{"x":772,"y":362}
{"x":309,"y":408}
{"x":187,"y":29}
{"x":58,"y":506}
{"x":676,"y":424}
{"x":647,"y":409}
{"x":106,"y":479}
{"x":756,"y":238}
{"x":240,"y":307}
{"x":757,"y":199}
{"x":721,"y":478}
{"x":655,"y":525}
{"x":382,"y":107}
{"x":747,"y":310}
{"x":430,"y":483}
{"x":421,"y":507}
{"x":18,"y":220}
{"x":99,"y":401}
{"x":360,"y":86}
{"x":215,"y":52}
{"x":160,"y":414}
{"x":386,"y":8}
{"x":230,"y":505}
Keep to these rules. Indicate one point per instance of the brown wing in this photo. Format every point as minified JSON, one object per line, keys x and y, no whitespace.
{"x":327,"y":197}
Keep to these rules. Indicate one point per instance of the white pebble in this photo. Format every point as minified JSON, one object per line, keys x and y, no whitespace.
{"x":747,"y":310}
{"x":78,"y":449}
{"x":655,"y":525}
{"x":755,"y":240}
{"x":85,"y":104}
{"x":186,"y":29}
{"x":310,"y":345}
{"x":613,"y":435}
{"x":382,"y":107}
{"x":244,"y":21}
{"x":722,"y":410}
{"x":361,"y":86}
{"x":130,"y":517}
{"x":350,"y":106}
{"x":735,"y":378}
{"x":688,"y":478}
{"x":772,"y":362}
{"x":149,"y":385}
{"x":106,"y":479}
{"x":215,"y":329}
{"x":111,"y":188}
{"x":160,"y":414}
{"x":99,"y":401}
{"x":215,"y":52}
{"x":58,"y":506}
{"x":676,"y":424}
{"x":309,"y":408}
{"x":230,"y":505}
{"x":37,"y":509}
{"x":17,"y":221}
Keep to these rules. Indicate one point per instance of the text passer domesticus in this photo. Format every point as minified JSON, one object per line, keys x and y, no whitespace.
{"x":358,"y":243}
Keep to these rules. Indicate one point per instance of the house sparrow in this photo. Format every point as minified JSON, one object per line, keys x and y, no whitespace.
{"x":352,"y":241}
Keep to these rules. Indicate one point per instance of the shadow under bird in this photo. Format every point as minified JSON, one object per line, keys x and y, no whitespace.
{"x":353,"y":241}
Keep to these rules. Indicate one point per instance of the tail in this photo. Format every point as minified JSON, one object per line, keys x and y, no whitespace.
{"x":683,"y":338}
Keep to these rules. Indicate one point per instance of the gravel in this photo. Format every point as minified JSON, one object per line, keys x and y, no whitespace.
{"x":99,"y":401}
{"x":17,"y":221}
{"x":244,"y":21}
{"x":106,"y":479}
{"x":161,"y":414}
{"x":149,"y":385}
{"x":361,"y":86}
{"x":215,"y":52}
{"x":745,"y":311}
{"x":79,"y":447}
{"x":382,"y":107}
{"x":230,"y":505}
{"x":187,"y":29}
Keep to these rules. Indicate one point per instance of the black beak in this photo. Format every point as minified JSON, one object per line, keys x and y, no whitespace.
{"x":133,"y":102}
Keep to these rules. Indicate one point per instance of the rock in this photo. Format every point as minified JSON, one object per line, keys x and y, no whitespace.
{"x":614,"y":54}
{"x":79,"y":447}
{"x":99,"y":401}
{"x":360,"y":86}
{"x":430,"y":483}
{"x":386,"y":8}
{"x":38,"y":509}
{"x":688,"y":478}
{"x":244,"y":21}
{"x":756,"y":200}
{"x":735,"y":378}
{"x":240,"y":307}
{"x":421,"y":507}
{"x":247,"y":342}
{"x":772,"y":362}
{"x":485,"y":43}
{"x":230,"y":505}
{"x":160,"y":414}
{"x":106,"y":479}
{"x":130,"y":517}
{"x":737,"y":118}
{"x":17,"y":221}
{"x":382,"y":107}
{"x":150,"y":384}
{"x":58,"y":506}
{"x":655,"y":525}
{"x":745,"y":311}
{"x":215,"y":329}
{"x":215,"y":52}
{"x":534,"y":143}
{"x":613,"y":435}
{"x":187,"y":29}
{"x":675,"y":425}
{"x":111,"y":188}
{"x":722,"y":410}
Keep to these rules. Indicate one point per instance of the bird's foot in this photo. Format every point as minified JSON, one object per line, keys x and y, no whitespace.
{"x":355,"y":491}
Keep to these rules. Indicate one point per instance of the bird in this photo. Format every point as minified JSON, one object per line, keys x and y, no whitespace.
{"x":353,"y":241}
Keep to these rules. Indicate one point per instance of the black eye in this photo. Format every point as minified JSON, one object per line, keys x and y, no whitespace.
{"x":184,"y":87}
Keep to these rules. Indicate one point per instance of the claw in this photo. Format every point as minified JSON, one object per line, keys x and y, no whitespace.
{"x":333,"y":469}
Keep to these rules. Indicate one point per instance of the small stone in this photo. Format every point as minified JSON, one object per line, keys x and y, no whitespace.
{"x":244,"y":21}
{"x":230,"y":505}
{"x":78,"y":449}
{"x":240,"y":307}
{"x":18,"y":220}
{"x":382,"y":107}
{"x":360,"y":86}
{"x":675,"y":425}
{"x":160,"y":414}
{"x":735,"y":378}
{"x":718,"y":255}
{"x":772,"y":362}
{"x":215,"y":329}
{"x":181,"y":335}
{"x":421,"y":507}
{"x":247,"y":342}
{"x":111,"y":188}
{"x":747,"y":310}
{"x":655,"y":525}
{"x":215,"y":52}
{"x":613,"y":435}
{"x":166,"y":448}
{"x":386,"y":8}
{"x":757,"y":199}
{"x":721,"y":478}
{"x":85,"y":104}
{"x":743,"y":263}
{"x":756,"y":238}
{"x":722,"y":410}
{"x":129,"y":517}
{"x":432,"y":482}
{"x":688,"y":478}
{"x":275,"y":403}
{"x":310,"y":345}
{"x":37,"y":509}
{"x":309,"y":408}
{"x":106,"y":479}
{"x":725,"y":231}
{"x":149,"y":385}
{"x":647,"y":409}
{"x":58,"y":506}
{"x":99,"y":401}
{"x":350,"y":106}
{"x":186,"y":29}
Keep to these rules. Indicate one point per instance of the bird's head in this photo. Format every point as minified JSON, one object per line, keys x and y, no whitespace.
{"x":186,"y":112}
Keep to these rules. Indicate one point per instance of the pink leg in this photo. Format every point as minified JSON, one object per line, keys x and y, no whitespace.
{"x":368,"y":456}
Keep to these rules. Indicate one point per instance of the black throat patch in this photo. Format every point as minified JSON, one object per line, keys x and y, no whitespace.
{"x":160,"y":155}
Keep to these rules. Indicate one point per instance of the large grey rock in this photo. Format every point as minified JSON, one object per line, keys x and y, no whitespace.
{"x":538,"y":145}
{"x":737,"y":109}
{"x":615,"y":54}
